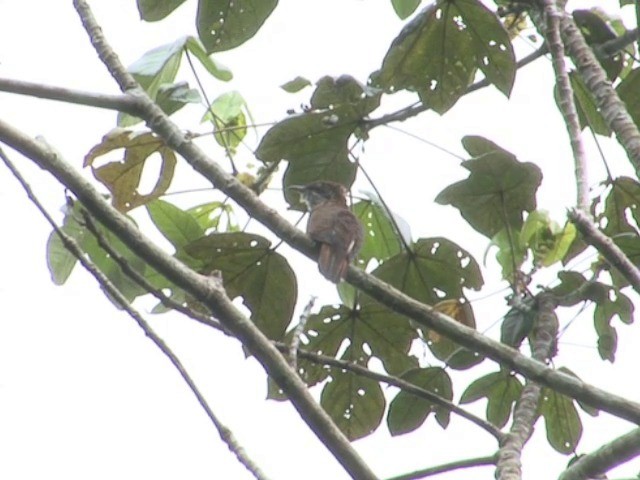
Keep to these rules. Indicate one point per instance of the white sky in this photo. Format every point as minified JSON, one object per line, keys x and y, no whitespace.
{"x":83,"y":393}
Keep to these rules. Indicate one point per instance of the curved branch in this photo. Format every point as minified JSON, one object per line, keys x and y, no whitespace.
{"x":447,"y":467}
{"x":381,"y":291}
{"x":608,"y":456}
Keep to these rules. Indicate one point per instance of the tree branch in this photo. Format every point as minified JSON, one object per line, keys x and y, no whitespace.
{"x":608,"y":456}
{"x":525,"y":414}
{"x":609,"y":250}
{"x":566,"y":101}
{"x":70,"y":244}
{"x":120,"y":102}
{"x":447,"y":467}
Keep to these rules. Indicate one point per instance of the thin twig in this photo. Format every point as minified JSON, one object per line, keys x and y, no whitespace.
{"x":447,"y":467}
{"x":609,"y":250}
{"x":396,"y":382}
{"x":297,"y":333}
{"x":70,"y":244}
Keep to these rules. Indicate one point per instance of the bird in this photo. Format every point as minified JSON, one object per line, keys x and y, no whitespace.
{"x":333,"y":225}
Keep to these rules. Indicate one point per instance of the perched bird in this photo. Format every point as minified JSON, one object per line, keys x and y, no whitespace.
{"x":332,"y":224}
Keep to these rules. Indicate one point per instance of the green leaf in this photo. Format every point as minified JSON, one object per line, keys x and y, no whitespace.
{"x":252,"y":270}
{"x":561,"y":419}
{"x":615,"y":304}
{"x":517,"y":324}
{"x":510,"y":255}
{"x":435,"y":269}
{"x":438,"y":52}
{"x":408,"y":411}
{"x":226,"y":24}
{"x":622,"y":204}
{"x":154,"y":10}
{"x":158,"y":68}
{"x":177,"y":226}
{"x":60,"y":260}
{"x":628,"y":92}
{"x":587,"y":107}
{"x":404,"y":8}
{"x":210,"y":215}
{"x":548,"y":242}
{"x":594,"y":25}
{"x":122,"y":178}
{"x":173,"y":96}
{"x":498,"y":190}
{"x":501,"y":389}
{"x":295,"y":85}
{"x":381,"y":240}
{"x":355,"y":403}
{"x":227,"y":115}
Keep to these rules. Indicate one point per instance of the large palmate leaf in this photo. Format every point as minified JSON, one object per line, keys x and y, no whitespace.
{"x":498,"y":190}
{"x":381,"y":239}
{"x":225,"y":24}
{"x":408,"y":411}
{"x":122,"y":178}
{"x":315,"y":142}
{"x":438,"y":53}
{"x":252,"y":270}
{"x":501,"y":389}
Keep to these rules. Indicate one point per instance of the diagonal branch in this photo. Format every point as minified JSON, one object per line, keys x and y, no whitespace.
{"x":608,"y":456}
{"x":70,"y":244}
{"x":447,"y":467}
{"x":609,"y":250}
{"x":566,"y":103}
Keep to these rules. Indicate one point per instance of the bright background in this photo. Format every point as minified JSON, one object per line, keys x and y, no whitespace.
{"x":83,"y":393}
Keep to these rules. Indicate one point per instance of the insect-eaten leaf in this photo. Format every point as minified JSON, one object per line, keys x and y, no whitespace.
{"x":122,"y":178}
{"x":355,"y":403}
{"x":438,"y":53}
{"x":408,"y":411}
{"x":252,"y":270}
{"x":381,"y":239}
{"x":498,"y":190}
{"x":226,"y":24}
{"x":501,"y":389}
{"x":156,"y":71}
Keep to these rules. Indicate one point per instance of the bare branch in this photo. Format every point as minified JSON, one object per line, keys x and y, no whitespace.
{"x":447,"y":467}
{"x":297,"y":332}
{"x":566,"y":102}
{"x":121,"y":103}
{"x":608,"y":456}
{"x":543,"y":347}
{"x":609,"y":250}
{"x":70,"y":244}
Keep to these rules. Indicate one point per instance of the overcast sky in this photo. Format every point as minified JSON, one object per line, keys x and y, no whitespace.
{"x":84,"y":394}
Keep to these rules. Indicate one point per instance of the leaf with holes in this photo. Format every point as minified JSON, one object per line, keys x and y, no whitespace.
{"x":408,"y":411}
{"x":226,"y":24}
{"x":498,"y":190}
{"x":381,"y":240}
{"x":177,"y":226}
{"x":122,"y":178}
{"x":355,"y":99}
{"x":154,"y":10}
{"x":215,"y":216}
{"x":434,"y":270}
{"x":252,"y":270}
{"x":501,"y":389}
{"x":438,"y":52}
{"x":561,"y":419}
{"x":355,"y":403}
